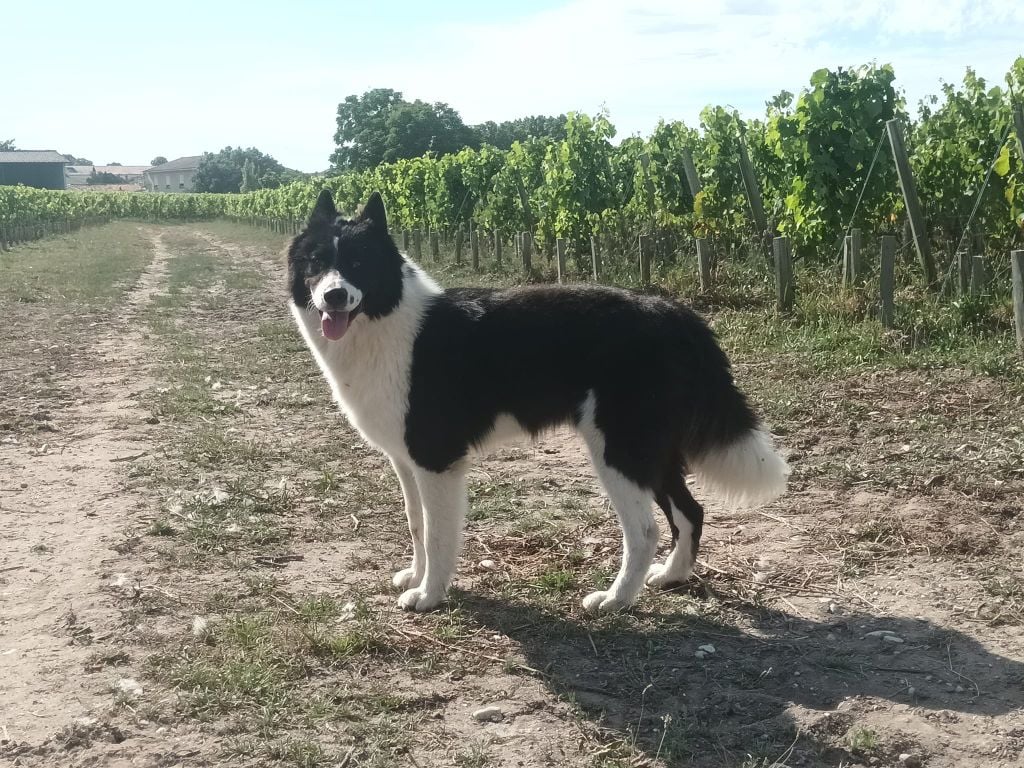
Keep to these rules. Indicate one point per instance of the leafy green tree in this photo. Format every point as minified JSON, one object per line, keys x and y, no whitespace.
{"x":362,"y":128}
{"x":249,"y":182}
{"x":418,"y":128}
{"x":222,"y":171}
{"x":381,"y":126}
{"x":77,"y":160}
{"x":104,"y":178}
{"x":502,"y":135}
{"x":7,"y":145}
{"x":158,"y":160}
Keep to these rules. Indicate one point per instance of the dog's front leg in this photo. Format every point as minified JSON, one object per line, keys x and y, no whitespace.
{"x":413,"y":575}
{"x":444,"y":511}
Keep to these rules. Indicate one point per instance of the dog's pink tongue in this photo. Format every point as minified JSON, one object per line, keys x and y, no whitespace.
{"x":334,"y":324}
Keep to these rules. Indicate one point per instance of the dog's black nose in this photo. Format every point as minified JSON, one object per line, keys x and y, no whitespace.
{"x":336,"y":297}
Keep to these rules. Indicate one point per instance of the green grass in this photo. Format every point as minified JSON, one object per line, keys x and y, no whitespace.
{"x":863,"y":741}
{"x":92,"y":267}
{"x":556,"y":582}
{"x":199,"y":272}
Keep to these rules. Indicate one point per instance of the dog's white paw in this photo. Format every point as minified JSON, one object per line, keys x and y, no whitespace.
{"x":659,"y":576}
{"x":406,"y":579}
{"x":603,"y":602}
{"x":418,"y":600}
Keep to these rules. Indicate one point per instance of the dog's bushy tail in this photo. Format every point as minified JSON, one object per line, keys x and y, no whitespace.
{"x":727,"y":448}
{"x":743,"y":473}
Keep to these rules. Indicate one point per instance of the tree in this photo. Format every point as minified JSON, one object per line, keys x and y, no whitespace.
{"x":417,"y":128}
{"x":249,"y":182}
{"x":501,"y":135}
{"x":362,"y":126}
{"x":381,"y":126}
{"x":222,"y":171}
{"x":104,"y":178}
{"x":77,"y":160}
{"x":7,"y":145}
{"x":158,"y":160}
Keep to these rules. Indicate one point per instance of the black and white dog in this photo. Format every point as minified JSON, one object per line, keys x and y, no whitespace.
{"x":432,"y":376}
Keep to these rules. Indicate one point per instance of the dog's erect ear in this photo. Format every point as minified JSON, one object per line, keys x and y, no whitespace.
{"x":324,"y":209}
{"x":373,"y":212}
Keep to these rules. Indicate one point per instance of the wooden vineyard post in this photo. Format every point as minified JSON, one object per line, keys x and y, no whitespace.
{"x":595,"y":257}
{"x":979,"y":272}
{"x":705,"y":260}
{"x":474,"y":247}
{"x":963,"y":269}
{"x":913,"y":204}
{"x":645,"y":260}
{"x":692,"y":179}
{"x":1017,"y":275}
{"x":405,"y":240}
{"x":753,"y":189}
{"x":435,"y":246}
{"x":887,"y":282}
{"x":524,"y":200}
{"x":497,"y":247}
{"x":527,"y":251}
{"x":560,"y":258}
{"x":459,"y":237}
{"x":851,"y":258}
{"x":645,"y":165}
{"x":784,"y":285}
{"x":1018,"y":124}
{"x":417,"y":244}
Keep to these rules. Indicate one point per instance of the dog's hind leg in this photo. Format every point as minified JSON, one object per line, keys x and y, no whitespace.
{"x":686,"y":519}
{"x":443,"y":495}
{"x":413,"y":575}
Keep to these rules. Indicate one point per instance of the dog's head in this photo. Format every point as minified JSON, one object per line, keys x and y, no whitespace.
{"x":343,"y":268}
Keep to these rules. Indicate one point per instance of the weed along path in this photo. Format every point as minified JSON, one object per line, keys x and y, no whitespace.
{"x":197,"y":550}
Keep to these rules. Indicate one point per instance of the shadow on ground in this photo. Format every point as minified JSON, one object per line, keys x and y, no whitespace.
{"x":736,"y":705}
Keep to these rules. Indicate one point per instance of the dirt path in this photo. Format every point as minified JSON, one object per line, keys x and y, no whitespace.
{"x":63,"y":510}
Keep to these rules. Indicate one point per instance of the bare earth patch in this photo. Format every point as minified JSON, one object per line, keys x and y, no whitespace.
{"x":236,"y":564}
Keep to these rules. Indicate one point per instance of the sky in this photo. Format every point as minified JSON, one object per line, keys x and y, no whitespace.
{"x":127,"y":81}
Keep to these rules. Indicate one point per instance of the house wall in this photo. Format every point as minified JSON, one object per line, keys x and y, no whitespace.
{"x":169,"y":181}
{"x":41,"y":175}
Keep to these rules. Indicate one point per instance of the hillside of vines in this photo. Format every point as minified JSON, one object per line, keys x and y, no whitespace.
{"x":815,"y":155}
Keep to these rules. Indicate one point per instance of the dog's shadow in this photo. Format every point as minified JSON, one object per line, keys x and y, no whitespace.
{"x":735,"y":699}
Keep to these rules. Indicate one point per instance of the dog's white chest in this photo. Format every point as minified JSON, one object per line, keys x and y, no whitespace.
{"x":369,"y":369}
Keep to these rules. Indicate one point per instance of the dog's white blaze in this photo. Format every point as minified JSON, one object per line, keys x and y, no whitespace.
{"x":633,"y":506}
{"x":329,"y":282}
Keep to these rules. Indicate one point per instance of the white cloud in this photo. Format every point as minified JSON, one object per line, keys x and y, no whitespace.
{"x":664,"y":58}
